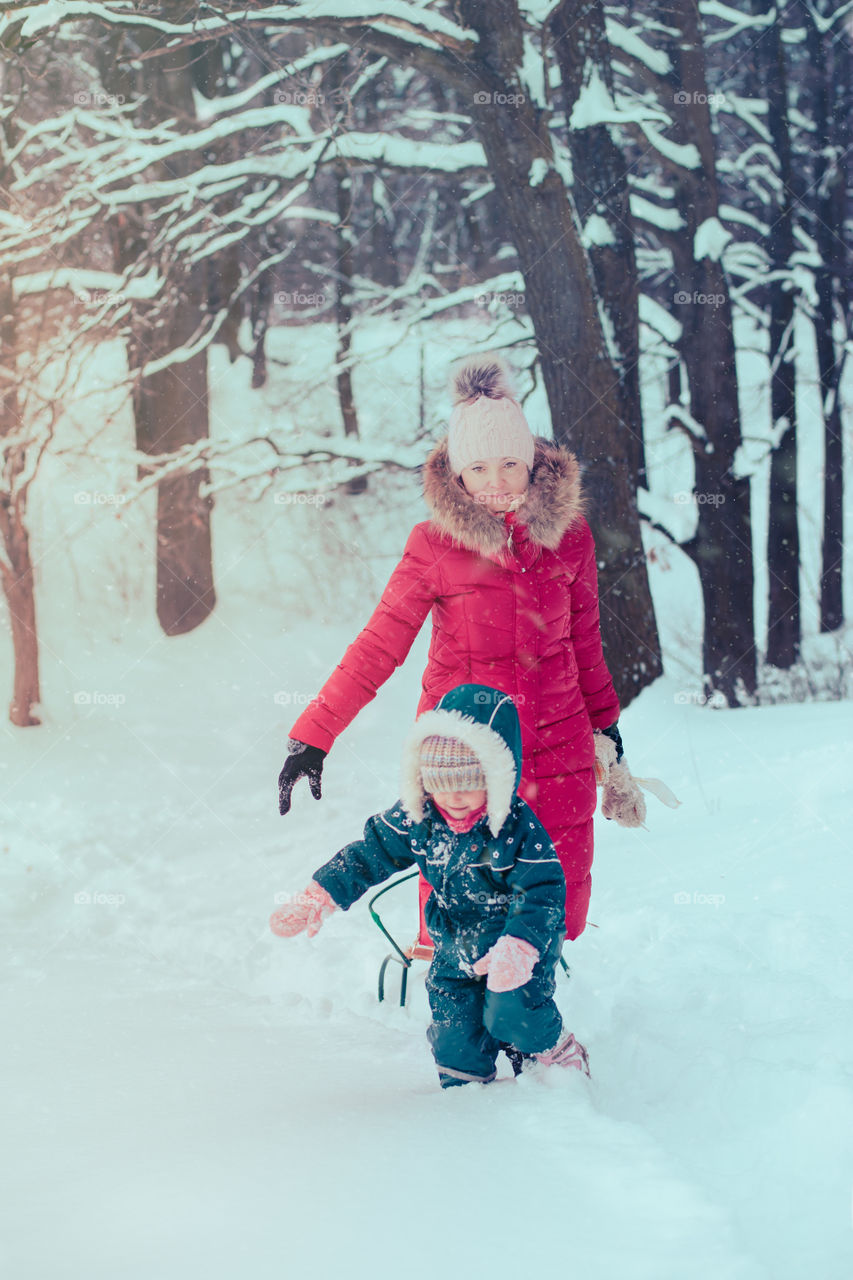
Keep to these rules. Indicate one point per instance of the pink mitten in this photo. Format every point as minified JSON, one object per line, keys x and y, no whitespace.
{"x":509,"y":963}
{"x":621,"y":798}
{"x":305,"y":910}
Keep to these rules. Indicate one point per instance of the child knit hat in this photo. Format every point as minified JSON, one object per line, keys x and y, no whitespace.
{"x":486,"y":421}
{"x":446,"y":764}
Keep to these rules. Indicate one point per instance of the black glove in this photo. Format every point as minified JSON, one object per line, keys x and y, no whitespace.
{"x":302,"y":762}
{"x":612,"y":732}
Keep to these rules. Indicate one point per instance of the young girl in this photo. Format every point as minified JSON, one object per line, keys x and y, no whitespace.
{"x":496,"y":910}
{"x":506,"y":566}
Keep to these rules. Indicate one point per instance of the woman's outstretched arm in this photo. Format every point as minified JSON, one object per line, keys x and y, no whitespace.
{"x":380,"y":648}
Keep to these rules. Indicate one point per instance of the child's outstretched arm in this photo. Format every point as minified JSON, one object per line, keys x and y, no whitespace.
{"x":305,"y":911}
{"x":384,"y":849}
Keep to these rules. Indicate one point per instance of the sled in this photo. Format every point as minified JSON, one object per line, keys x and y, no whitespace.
{"x":421,"y":949}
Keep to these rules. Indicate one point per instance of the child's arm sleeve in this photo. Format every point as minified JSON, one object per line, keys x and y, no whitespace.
{"x":537,"y":911}
{"x":384,"y":849}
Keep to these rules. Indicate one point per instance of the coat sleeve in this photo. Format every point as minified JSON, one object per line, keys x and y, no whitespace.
{"x":538,"y":889}
{"x":594,"y":679}
{"x":383,"y":850}
{"x":380,"y":648}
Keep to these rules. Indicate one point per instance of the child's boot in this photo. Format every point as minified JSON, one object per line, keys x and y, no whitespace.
{"x":567,"y":1052}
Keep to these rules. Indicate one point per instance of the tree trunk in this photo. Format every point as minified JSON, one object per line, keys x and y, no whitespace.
{"x":343,"y":290}
{"x":18,"y":589}
{"x":172,"y":411}
{"x":722,"y":544}
{"x":383,"y":257}
{"x":587,"y":407}
{"x":209,"y":76}
{"x":171,"y":404}
{"x":828,"y":59}
{"x":783,"y":538}
{"x":16,"y":568}
{"x":601,"y":192}
{"x":259,"y":314}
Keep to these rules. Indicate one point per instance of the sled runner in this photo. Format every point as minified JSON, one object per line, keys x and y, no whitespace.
{"x":420,"y":949}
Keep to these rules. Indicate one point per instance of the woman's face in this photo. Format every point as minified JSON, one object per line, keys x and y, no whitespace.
{"x":496,"y":482}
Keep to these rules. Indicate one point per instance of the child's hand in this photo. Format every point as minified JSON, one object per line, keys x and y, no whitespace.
{"x":509,"y":963}
{"x":305,"y":911}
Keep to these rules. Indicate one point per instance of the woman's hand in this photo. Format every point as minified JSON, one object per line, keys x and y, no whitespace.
{"x":302,"y":762}
{"x":621,"y":798}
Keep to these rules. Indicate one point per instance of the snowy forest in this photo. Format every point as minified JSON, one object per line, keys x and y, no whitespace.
{"x":241,"y":247}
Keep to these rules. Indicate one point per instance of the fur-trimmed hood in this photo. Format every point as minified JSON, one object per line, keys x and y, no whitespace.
{"x":486,"y":720}
{"x":553,"y":501}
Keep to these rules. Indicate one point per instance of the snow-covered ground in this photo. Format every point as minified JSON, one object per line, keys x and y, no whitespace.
{"x":185,"y":1094}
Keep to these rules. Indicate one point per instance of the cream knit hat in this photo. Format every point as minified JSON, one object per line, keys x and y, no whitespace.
{"x":487,"y":421}
{"x":446,"y":764}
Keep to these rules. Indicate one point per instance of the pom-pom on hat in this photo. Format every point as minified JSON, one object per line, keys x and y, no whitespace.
{"x":446,"y":764}
{"x":487,"y":420}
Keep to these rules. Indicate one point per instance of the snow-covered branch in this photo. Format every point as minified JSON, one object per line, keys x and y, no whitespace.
{"x":679,"y":417}
{"x":288,"y":456}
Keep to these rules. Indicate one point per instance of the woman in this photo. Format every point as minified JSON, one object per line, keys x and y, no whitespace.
{"x":506,"y":565}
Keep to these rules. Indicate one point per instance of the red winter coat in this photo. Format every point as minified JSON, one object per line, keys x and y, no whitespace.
{"x":515,"y":606}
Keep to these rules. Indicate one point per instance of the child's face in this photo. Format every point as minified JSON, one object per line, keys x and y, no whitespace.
{"x":496,"y":482}
{"x":459,"y":803}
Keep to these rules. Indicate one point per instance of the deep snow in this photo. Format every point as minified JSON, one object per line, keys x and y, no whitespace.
{"x":183,"y":1093}
{"x":186,"y":1094}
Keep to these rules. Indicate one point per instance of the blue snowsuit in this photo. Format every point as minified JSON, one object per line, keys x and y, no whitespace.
{"x":484,"y":885}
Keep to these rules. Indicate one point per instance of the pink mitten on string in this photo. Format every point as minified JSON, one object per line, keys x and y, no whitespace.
{"x":621,"y":797}
{"x":305,"y":911}
{"x":509,"y":963}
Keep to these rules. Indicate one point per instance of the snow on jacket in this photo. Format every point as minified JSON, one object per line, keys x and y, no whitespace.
{"x":514,"y":605}
{"x":502,"y":876}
